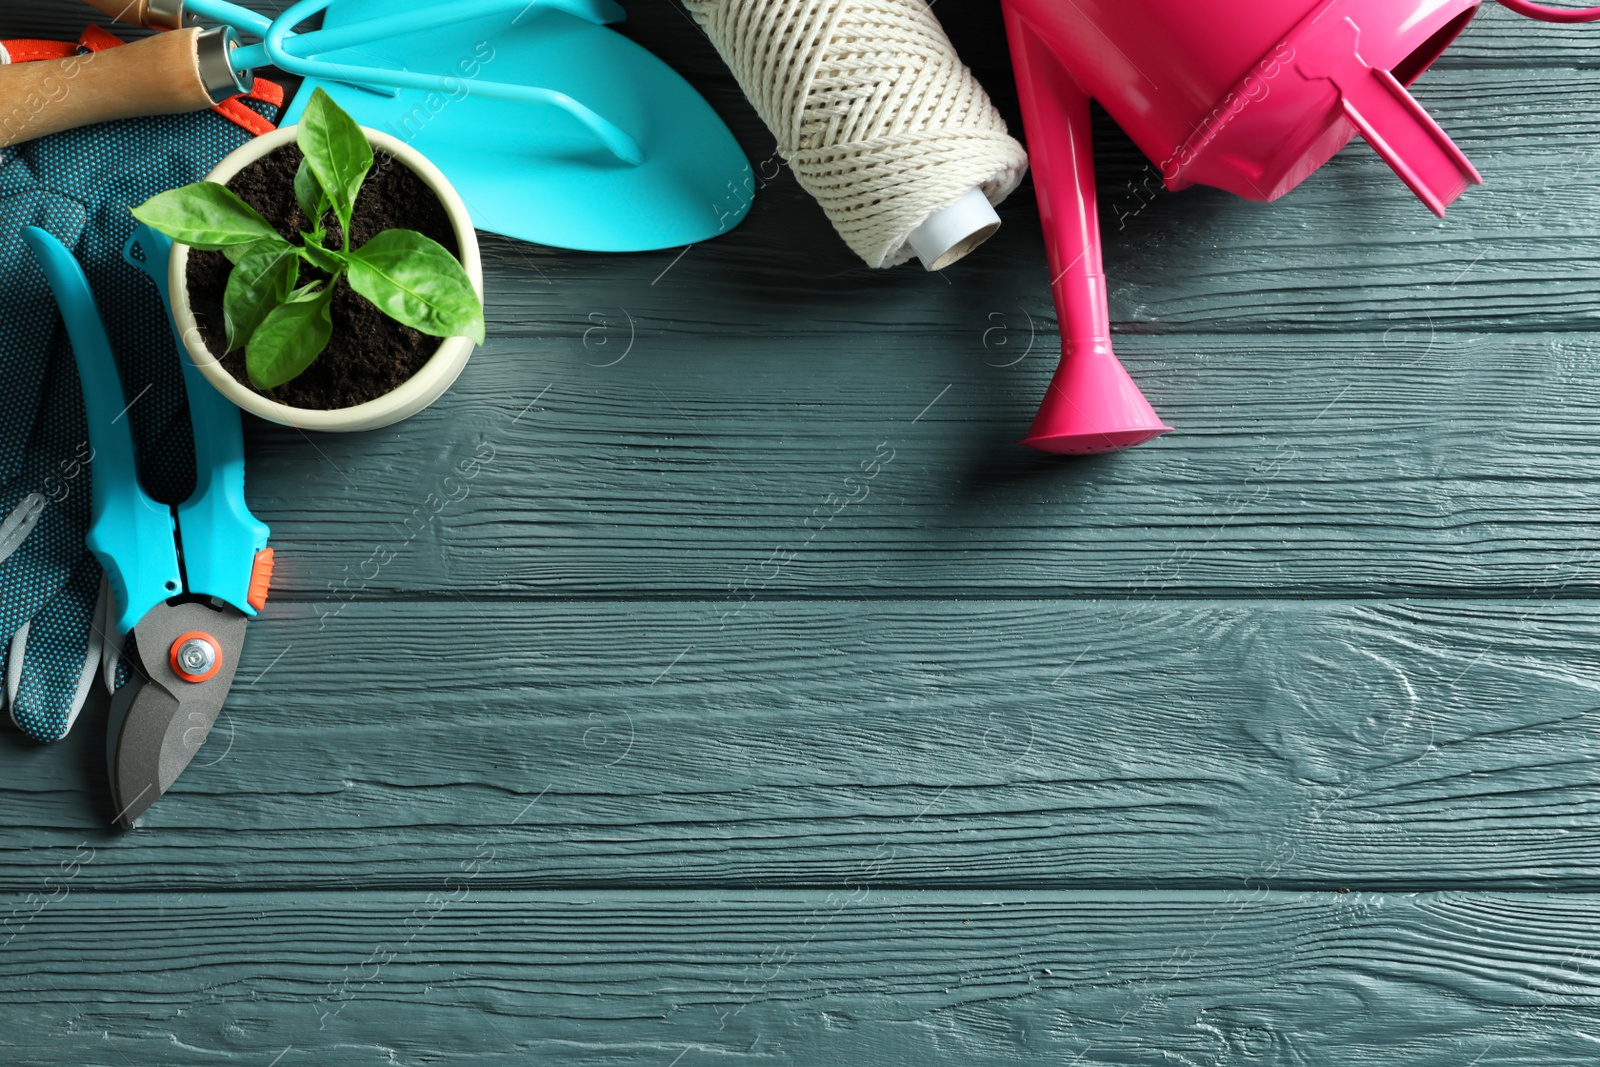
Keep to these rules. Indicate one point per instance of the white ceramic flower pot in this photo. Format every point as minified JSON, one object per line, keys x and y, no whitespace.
{"x":423,"y":388}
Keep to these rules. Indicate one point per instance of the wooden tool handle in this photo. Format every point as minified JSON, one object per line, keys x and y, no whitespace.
{"x":159,"y":75}
{"x":122,"y":10}
{"x":161,"y":14}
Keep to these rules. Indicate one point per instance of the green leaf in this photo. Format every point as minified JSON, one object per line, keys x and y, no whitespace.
{"x":337,"y":151}
{"x":308,"y":193}
{"x":292,"y":335}
{"x":258,"y":283}
{"x":205,"y":215}
{"x":235,"y":253}
{"x":414,"y":280}
{"x":324,"y":259}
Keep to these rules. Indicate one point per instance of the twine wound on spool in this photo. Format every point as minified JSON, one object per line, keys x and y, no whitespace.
{"x":878,"y":118}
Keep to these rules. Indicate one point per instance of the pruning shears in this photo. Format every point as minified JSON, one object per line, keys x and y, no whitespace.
{"x":184,"y":580}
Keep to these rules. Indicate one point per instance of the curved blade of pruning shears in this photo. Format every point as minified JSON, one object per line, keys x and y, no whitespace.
{"x":162,"y":716}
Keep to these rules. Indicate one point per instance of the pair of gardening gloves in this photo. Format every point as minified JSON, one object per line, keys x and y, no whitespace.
{"x":79,"y":186}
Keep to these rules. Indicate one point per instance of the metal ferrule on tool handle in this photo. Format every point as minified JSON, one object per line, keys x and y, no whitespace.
{"x":215,"y":50}
{"x":174,"y":14}
{"x":156,"y":14}
{"x":164,"y":14}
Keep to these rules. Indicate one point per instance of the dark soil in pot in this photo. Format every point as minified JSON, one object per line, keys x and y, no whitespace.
{"x":370,"y":354}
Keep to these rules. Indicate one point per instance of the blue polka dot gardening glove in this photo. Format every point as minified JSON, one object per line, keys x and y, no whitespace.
{"x":50,"y":585}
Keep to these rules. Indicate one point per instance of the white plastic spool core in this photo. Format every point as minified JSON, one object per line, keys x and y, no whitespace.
{"x":950,"y":233}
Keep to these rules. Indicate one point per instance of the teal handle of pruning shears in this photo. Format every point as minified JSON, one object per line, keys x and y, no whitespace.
{"x":220,"y":536}
{"x":130,"y":534}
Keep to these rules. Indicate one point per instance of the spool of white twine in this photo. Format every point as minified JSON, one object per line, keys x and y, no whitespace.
{"x":878,"y":118}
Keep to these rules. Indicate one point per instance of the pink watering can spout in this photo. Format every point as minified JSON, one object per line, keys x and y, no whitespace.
{"x":1252,"y":96}
{"x":1093,"y":406}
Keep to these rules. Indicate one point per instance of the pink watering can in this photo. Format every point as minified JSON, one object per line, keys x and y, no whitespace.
{"x":1246,"y":95}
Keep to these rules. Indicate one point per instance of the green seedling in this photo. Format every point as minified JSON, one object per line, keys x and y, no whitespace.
{"x":281,"y":324}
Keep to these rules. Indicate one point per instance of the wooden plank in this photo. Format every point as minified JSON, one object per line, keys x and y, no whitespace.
{"x":1406,"y":464}
{"x":1378,"y":745}
{"x":464,"y":975}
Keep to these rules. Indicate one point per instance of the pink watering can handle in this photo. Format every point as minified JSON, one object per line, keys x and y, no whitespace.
{"x":1545,"y":13}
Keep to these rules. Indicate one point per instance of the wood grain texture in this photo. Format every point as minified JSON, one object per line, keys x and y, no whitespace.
{"x":857,"y":976}
{"x":1372,"y":744}
{"x":1362,"y":465}
{"x":632,"y":706}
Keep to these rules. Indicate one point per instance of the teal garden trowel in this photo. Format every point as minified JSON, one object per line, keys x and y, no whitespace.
{"x":553,"y":127}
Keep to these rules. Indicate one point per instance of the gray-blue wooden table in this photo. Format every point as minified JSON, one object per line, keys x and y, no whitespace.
{"x":1271,"y":742}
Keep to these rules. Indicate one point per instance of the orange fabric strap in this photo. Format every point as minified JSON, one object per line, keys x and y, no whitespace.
{"x":95,"y":39}
{"x":21,"y":51}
